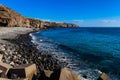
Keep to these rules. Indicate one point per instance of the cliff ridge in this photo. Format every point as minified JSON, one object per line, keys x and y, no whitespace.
{"x":10,"y":18}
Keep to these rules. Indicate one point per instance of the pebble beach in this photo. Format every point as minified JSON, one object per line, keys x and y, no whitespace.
{"x":17,"y":48}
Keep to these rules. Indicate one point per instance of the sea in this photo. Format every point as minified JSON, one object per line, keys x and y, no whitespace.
{"x":86,"y":49}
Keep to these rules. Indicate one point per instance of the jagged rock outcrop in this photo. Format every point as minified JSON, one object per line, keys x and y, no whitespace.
{"x":10,"y":18}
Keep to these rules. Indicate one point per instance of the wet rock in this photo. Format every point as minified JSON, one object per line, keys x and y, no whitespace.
{"x":104,"y":77}
{"x":3,"y":49}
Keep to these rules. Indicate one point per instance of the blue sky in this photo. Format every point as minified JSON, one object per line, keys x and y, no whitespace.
{"x":94,"y":13}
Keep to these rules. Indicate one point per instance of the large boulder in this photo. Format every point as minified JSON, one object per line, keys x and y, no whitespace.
{"x":104,"y":77}
{"x":68,"y":75}
{"x":59,"y":74}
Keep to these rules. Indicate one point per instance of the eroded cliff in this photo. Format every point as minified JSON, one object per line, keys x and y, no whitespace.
{"x":10,"y":18}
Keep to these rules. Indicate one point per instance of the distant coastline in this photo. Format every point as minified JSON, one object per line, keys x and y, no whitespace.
{"x":10,"y":18}
{"x":16,"y":48}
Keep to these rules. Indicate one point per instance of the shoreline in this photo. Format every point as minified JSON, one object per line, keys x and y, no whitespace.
{"x":24,"y":42}
{"x":18,"y":49}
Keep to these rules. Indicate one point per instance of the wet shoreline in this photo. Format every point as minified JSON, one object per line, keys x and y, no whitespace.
{"x":23,"y":51}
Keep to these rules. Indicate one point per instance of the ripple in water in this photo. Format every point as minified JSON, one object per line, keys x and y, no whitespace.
{"x":85,"y":49}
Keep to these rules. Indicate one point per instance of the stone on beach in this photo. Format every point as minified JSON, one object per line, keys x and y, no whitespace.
{"x":23,"y":71}
{"x":5,"y":68}
{"x":17,"y":52}
{"x":12,"y":63}
{"x":1,"y":56}
{"x":68,"y":75}
{"x":104,"y":77}
{"x":59,"y":74}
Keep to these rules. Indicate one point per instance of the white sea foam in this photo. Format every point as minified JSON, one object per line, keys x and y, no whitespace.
{"x":74,"y":62}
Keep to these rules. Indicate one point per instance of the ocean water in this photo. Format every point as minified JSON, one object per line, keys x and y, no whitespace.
{"x":86,"y":49}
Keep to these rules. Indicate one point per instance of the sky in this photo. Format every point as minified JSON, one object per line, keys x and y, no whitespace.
{"x":85,"y":13}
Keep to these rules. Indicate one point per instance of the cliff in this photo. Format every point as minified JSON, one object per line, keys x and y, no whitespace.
{"x":10,"y":18}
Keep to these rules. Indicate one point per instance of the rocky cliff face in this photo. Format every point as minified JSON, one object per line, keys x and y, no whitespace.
{"x":10,"y":18}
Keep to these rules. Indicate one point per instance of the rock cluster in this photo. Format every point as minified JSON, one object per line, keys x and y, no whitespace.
{"x":10,"y":18}
{"x":22,"y":51}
